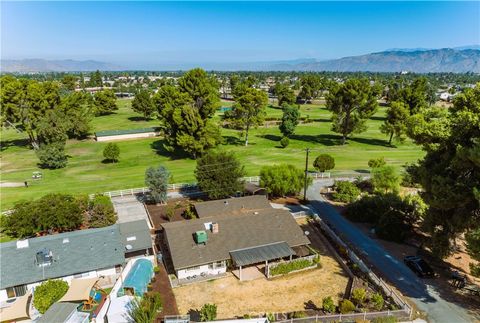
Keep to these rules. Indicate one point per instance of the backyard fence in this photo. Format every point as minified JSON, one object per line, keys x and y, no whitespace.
{"x":406,"y":308}
{"x":341,"y":317}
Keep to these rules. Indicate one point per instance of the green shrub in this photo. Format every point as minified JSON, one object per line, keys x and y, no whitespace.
{"x":52,"y":156}
{"x":48,"y":293}
{"x":377,"y":301}
{"x":282,"y":179}
{"x":385,"y":319}
{"x":145,"y":310}
{"x":328,"y":305}
{"x":377,"y":162}
{"x":346,"y":306}
{"x":297,"y":315}
{"x":474,"y":269}
{"x":284,"y":142}
{"x":324,"y":162}
{"x":111,"y":152}
{"x":208,"y":312}
{"x":189,"y":212}
{"x":285,"y":268}
{"x":270,"y":317}
{"x":386,"y":180}
{"x":247,"y":316}
{"x":359,"y":295}
{"x":345,"y":191}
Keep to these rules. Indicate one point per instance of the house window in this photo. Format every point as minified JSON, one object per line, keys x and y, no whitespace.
{"x":118,"y":269}
{"x":81,"y":275}
{"x":215,"y":265}
{"x":16,"y":291}
{"x":193,"y":268}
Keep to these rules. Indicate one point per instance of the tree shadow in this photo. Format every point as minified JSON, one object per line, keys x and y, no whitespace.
{"x":139,"y":118}
{"x":362,"y":171}
{"x":194,"y":315}
{"x":270,"y":137}
{"x":324,"y":139}
{"x":377,"y":118}
{"x":371,"y":141}
{"x":310,"y":305}
{"x":160,"y":150}
{"x":232,"y":140}
{"x":4,"y":145}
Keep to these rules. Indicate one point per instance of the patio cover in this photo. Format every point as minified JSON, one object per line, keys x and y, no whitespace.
{"x":18,"y":310}
{"x":79,"y":290}
{"x":257,"y":254}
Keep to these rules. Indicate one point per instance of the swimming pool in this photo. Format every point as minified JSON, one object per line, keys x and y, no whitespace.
{"x":138,"y":278}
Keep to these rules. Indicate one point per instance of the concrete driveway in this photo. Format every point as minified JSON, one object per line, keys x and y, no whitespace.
{"x":425,"y":296}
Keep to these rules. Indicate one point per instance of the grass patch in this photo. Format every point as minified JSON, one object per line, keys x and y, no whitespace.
{"x":85,"y":172}
{"x":287,"y":267}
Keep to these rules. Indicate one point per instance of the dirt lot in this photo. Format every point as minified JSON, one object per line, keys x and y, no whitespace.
{"x":285,"y":294}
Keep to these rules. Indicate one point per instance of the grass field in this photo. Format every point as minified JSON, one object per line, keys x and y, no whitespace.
{"x":86,"y":173}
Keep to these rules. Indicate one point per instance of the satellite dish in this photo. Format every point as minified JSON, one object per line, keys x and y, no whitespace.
{"x":128,"y":247}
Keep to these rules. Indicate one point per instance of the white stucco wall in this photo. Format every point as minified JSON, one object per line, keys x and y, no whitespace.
{"x":128,"y":136}
{"x":108,"y":272}
{"x":198,"y":271}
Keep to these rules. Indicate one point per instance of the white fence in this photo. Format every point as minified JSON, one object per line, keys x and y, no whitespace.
{"x":341,"y":317}
{"x":406,"y":308}
{"x":171,"y":187}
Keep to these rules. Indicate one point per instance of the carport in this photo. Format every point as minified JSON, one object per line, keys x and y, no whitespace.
{"x":258,"y":254}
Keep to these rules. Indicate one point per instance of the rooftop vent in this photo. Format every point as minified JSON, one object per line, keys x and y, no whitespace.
{"x":66,"y":240}
{"x":44,"y":257}
{"x":22,"y":244}
{"x":215,"y":227}
{"x":132,"y":238}
{"x":201,"y":237}
{"x":225,"y":202}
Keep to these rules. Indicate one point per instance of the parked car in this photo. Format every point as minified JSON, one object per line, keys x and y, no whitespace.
{"x":419,"y":266}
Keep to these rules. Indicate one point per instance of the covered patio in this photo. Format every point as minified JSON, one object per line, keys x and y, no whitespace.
{"x":18,"y":311}
{"x":259,"y":255}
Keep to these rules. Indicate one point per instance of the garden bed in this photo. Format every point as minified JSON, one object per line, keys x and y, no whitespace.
{"x":296,"y":265}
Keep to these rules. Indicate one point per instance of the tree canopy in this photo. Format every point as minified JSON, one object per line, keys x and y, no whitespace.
{"x":450,"y":171}
{"x":143,"y":103}
{"x":351,"y":104}
{"x":186,"y":111}
{"x":219,"y":174}
{"x":324,"y":162}
{"x":104,"y":102}
{"x":289,"y":120}
{"x":111,"y":152}
{"x":285,"y":94}
{"x":395,"y":124}
{"x":248,"y":110}
{"x":283,"y":179}
{"x":156,"y":179}
{"x":48,"y":293}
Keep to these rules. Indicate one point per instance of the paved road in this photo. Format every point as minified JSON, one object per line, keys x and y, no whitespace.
{"x":425,"y":296}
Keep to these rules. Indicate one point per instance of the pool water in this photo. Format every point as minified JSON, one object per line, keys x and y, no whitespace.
{"x":138,"y":278}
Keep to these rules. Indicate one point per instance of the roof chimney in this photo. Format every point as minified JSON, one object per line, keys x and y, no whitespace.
{"x":215,"y":227}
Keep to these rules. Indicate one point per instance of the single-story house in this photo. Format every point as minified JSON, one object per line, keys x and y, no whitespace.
{"x":111,"y":135}
{"x":99,"y":252}
{"x":208,"y":245}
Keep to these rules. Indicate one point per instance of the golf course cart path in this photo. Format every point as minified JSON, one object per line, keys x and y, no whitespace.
{"x":425,"y":297}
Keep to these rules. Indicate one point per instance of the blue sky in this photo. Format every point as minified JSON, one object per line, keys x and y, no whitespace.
{"x":145,"y":34}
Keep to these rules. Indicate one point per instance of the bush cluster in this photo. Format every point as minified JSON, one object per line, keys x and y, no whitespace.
{"x":345,"y":191}
{"x":285,"y":268}
{"x":48,"y":293}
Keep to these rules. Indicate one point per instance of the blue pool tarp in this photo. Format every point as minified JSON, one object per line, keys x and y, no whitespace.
{"x":138,"y":278}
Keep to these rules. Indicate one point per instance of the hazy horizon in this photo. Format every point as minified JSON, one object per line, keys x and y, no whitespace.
{"x":145,"y":35}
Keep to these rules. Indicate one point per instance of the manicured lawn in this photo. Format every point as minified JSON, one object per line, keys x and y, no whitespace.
{"x":86,"y":173}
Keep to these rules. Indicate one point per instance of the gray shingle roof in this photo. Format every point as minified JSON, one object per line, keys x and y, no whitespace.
{"x":247,"y":230}
{"x":136,"y":234}
{"x":58,"y":312}
{"x":234,"y":205}
{"x":73,"y":252}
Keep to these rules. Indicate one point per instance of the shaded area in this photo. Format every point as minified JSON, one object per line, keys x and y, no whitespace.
{"x":5,"y":144}
{"x":159,"y":149}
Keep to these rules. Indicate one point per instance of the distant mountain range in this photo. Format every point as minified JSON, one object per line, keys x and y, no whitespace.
{"x":44,"y":65}
{"x":418,"y":60}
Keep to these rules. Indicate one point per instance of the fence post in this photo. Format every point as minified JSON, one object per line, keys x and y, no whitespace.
{"x":316,"y":317}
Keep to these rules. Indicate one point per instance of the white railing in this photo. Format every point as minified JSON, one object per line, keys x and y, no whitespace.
{"x":283,"y":318}
{"x":171,"y":187}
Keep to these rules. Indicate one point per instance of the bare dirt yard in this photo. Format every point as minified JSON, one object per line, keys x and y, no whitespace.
{"x":294,"y":292}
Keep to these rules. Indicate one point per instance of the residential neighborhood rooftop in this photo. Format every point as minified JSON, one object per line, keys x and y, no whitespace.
{"x":135,"y":235}
{"x":234,"y":205}
{"x":235,"y":231}
{"x":60,"y":255}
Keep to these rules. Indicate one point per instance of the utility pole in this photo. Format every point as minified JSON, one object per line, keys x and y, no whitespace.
{"x":306,"y":175}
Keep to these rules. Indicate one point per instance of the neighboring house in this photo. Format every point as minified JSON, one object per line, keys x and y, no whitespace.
{"x":111,"y":135}
{"x":136,"y":238}
{"x":239,"y":236}
{"x":238,"y":205}
{"x":100,"y":252}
